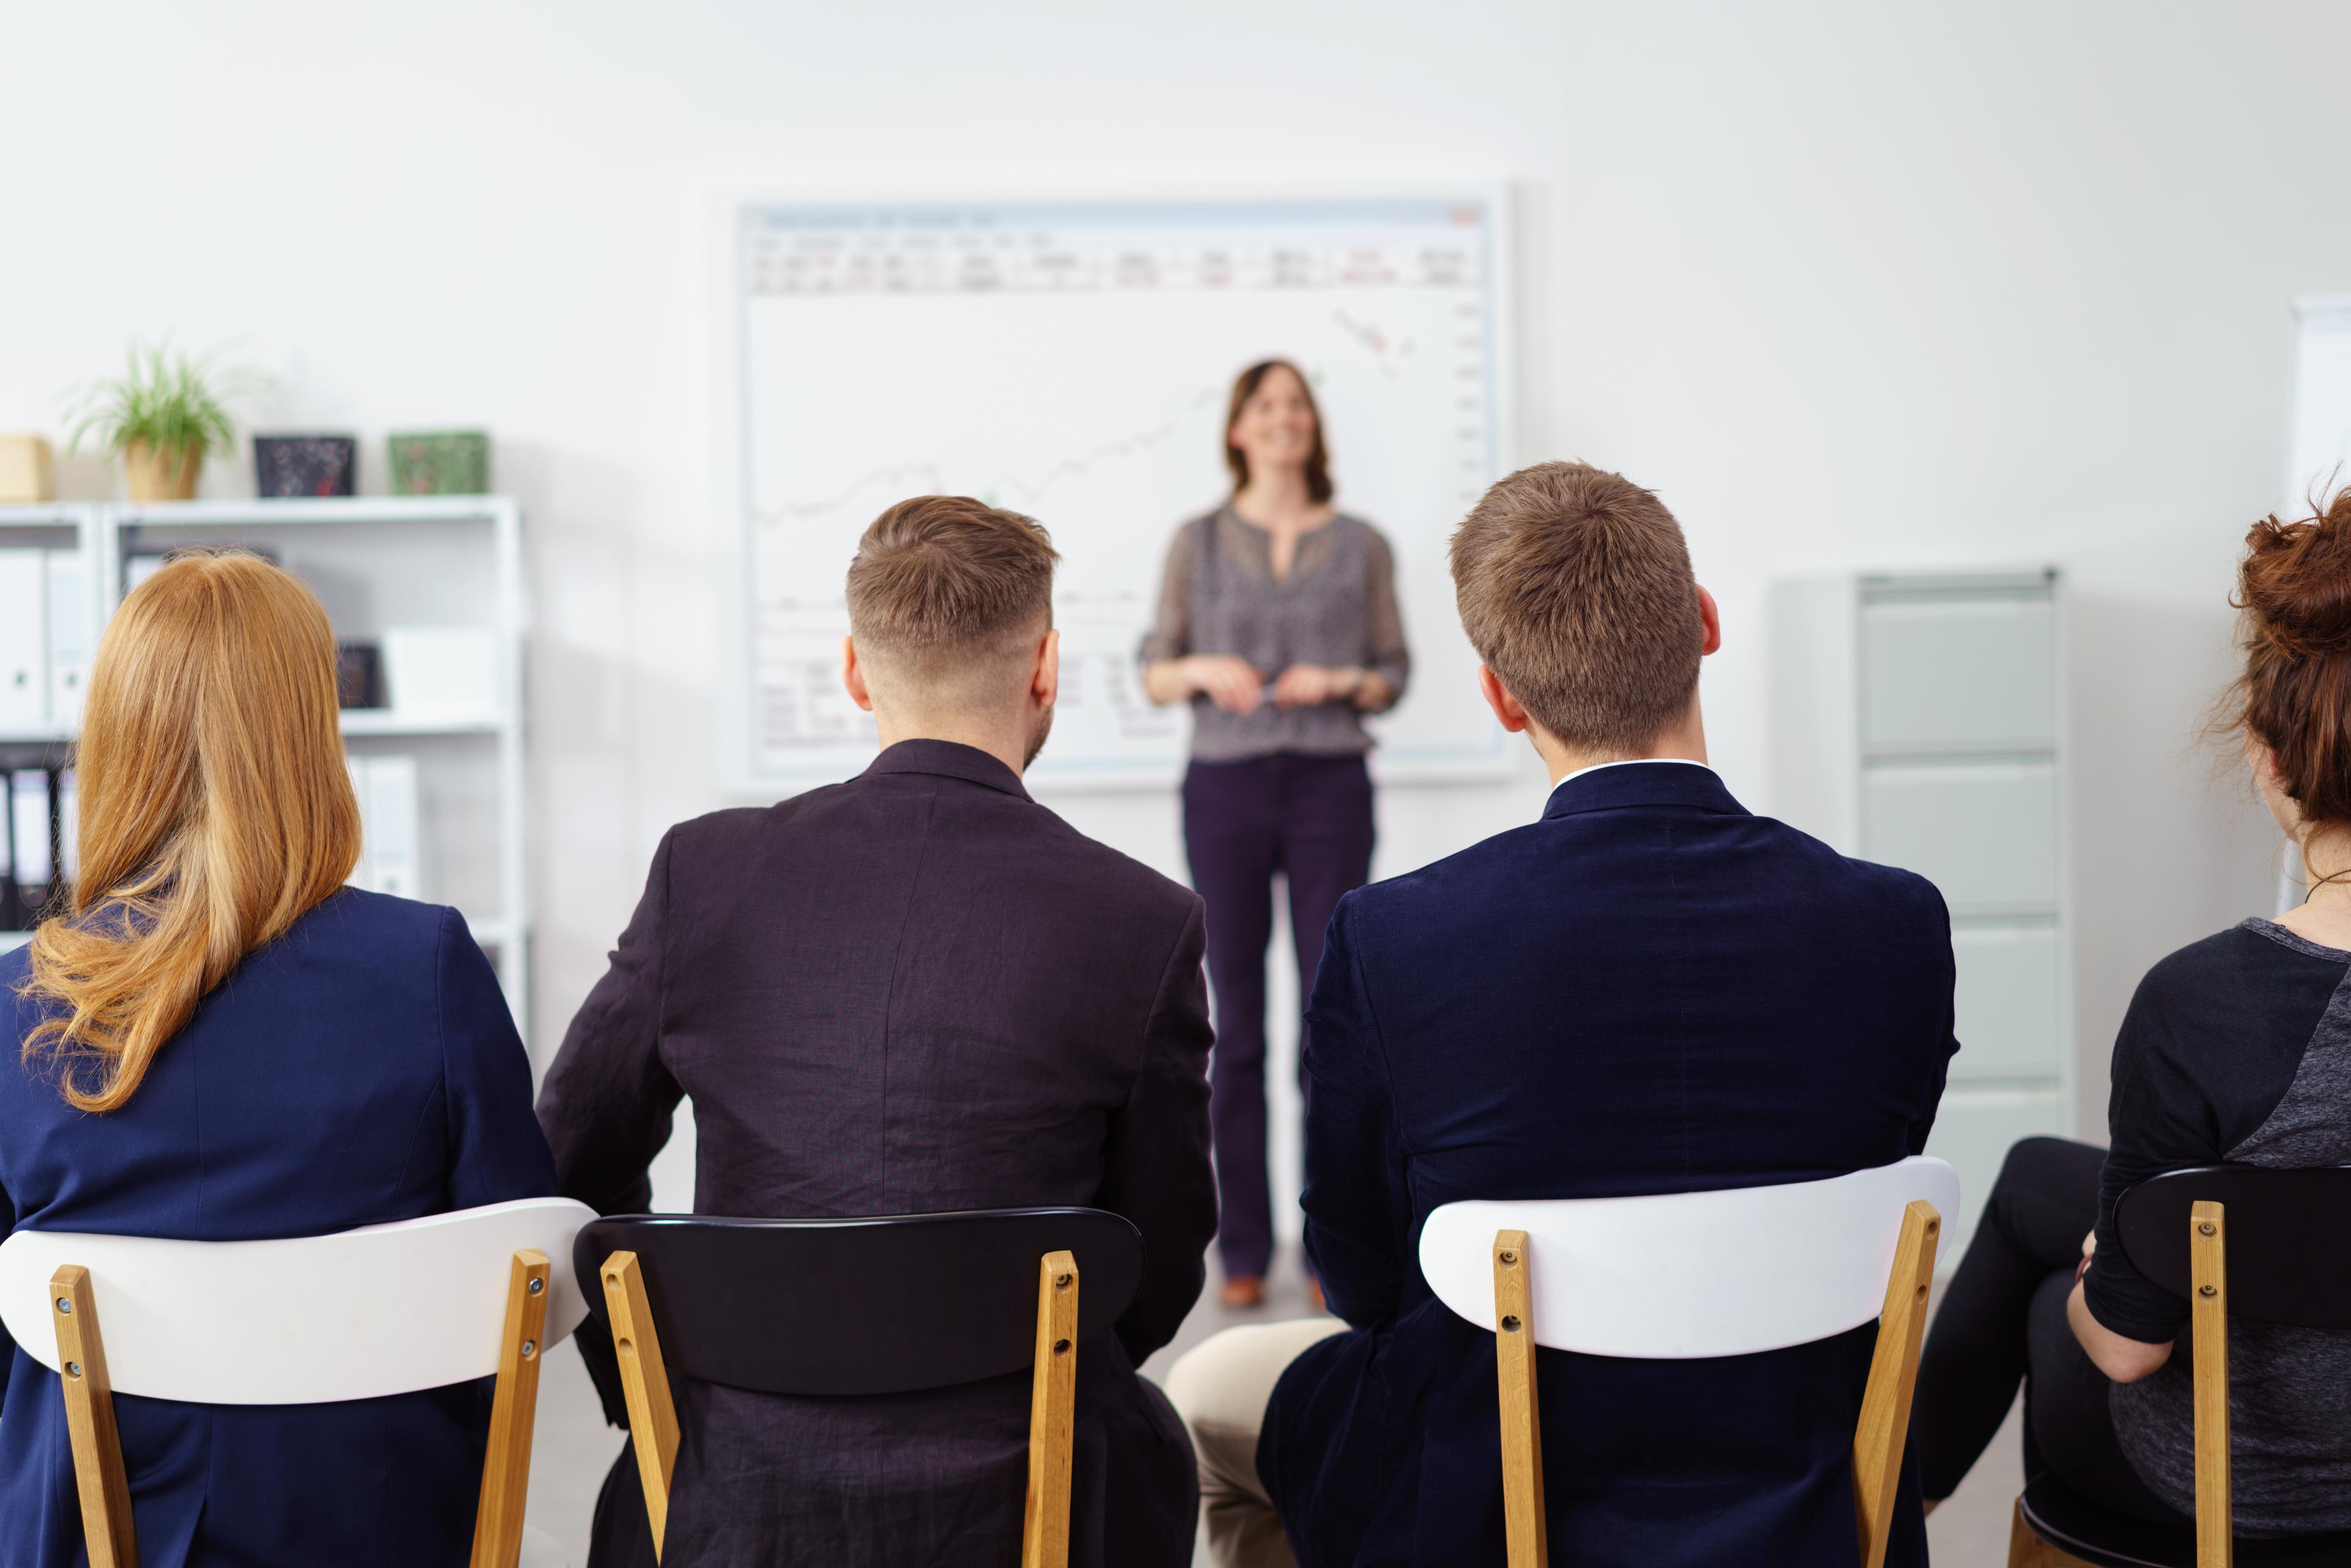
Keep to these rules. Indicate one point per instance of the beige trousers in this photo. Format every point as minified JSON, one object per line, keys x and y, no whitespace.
{"x":1220,"y":1387}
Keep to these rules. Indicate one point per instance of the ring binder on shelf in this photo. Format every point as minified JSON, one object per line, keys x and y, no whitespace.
{"x":390,"y":852}
{"x":70,"y":642}
{"x":10,"y":918}
{"x":68,"y":829}
{"x":24,"y":641}
{"x":31,"y":828}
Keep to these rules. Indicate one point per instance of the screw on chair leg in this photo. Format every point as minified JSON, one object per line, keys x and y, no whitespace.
{"x":1525,"y":1530}
{"x":98,"y":1476}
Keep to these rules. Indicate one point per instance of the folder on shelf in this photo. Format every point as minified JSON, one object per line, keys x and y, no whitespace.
{"x":24,"y":641}
{"x":34,"y":871}
{"x":68,"y":828}
{"x":363,"y":874}
{"x":391,"y":816}
{"x":10,"y":918}
{"x":391,"y":853}
{"x":71,"y":637}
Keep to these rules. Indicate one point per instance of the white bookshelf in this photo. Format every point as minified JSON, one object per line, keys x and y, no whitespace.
{"x":54,"y":526}
{"x":375,"y":562}
{"x":1918,"y":719}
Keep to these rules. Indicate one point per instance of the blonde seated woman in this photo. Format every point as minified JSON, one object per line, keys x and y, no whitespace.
{"x":220,"y":1042}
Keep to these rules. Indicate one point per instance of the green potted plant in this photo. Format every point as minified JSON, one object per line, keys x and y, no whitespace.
{"x":162,"y":417}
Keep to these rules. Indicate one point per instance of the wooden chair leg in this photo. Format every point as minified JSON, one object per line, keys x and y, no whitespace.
{"x":1526,"y":1532}
{"x":1885,"y":1425}
{"x":1052,"y":1416}
{"x":506,"y":1470}
{"x":2208,"y":1321}
{"x":645,"y":1379}
{"x":2027,"y":1549}
{"x":106,"y":1527}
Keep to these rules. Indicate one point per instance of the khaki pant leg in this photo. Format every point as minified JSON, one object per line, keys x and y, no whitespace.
{"x":1220,"y":1387}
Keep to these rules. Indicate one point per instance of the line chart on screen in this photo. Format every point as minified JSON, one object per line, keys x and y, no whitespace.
{"x":1071,"y":361}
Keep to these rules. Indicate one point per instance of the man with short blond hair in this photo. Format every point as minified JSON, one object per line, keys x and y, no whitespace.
{"x":950,"y":612}
{"x":912,"y":992}
{"x":1649,"y":990}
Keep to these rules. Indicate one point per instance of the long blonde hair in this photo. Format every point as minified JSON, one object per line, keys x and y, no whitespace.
{"x":216,"y":809}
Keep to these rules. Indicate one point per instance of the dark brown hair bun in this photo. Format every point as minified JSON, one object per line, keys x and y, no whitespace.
{"x":2295,"y":697}
{"x":2297,"y":581}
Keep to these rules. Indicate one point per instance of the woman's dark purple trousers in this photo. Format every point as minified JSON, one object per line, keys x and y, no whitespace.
{"x":1307,"y":818}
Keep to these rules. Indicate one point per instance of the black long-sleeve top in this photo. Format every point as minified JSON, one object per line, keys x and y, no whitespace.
{"x":2235,"y":1048}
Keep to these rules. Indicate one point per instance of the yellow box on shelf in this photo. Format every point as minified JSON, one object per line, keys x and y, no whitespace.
{"x":27,"y":478}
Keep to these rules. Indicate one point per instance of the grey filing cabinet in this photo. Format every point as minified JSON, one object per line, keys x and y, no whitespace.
{"x":1918,"y":719}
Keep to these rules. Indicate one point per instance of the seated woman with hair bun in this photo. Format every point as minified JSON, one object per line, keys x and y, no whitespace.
{"x":219,"y":1041}
{"x":2237,"y":1049}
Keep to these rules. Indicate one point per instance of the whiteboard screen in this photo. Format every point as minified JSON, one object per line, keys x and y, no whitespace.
{"x":2322,"y":405}
{"x":1071,"y":361}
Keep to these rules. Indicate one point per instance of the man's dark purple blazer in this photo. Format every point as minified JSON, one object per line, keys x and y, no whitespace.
{"x":1649,"y":990}
{"x":915,"y":991}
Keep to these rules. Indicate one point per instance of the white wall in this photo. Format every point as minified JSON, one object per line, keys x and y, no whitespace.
{"x":1850,"y":284}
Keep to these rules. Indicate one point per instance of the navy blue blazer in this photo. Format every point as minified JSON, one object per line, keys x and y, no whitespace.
{"x":360,"y":1069}
{"x":1648,"y":990}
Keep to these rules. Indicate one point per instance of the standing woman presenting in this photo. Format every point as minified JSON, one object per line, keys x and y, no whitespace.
{"x":1278,"y":622}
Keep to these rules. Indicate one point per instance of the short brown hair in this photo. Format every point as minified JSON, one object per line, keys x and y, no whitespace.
{"x":1318,"y":462}
{"x":2295,"y":696}
{"x":941,"y":581}
{"x":1575,"y":587}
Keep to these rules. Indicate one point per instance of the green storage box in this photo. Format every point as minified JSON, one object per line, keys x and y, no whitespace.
{"x":440,"y":462}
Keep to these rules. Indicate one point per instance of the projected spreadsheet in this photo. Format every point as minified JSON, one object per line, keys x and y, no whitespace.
{"x":1072,"y":362}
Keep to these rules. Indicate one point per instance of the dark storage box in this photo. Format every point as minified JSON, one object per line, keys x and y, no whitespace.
{"x":290,"y":465}
{"x":359,"y":674}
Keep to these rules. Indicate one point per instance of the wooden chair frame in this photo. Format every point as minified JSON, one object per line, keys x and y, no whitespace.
{"x":107,"y":1527}
{"x":1053,"y":1402}
{"x":1878,"y":1438}
{"x":2208,"y":1318}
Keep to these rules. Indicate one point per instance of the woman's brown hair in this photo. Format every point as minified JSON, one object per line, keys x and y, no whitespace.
{"x":216,"y":809}
{"x":2295,"y":697}
{"x":1318,"y":462}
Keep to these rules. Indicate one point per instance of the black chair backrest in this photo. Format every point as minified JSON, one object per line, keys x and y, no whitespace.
{"x":2288,"y":1242}
{"x":886,"y":1305}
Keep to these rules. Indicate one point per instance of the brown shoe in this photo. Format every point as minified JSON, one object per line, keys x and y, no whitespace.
{"x":1242,"y":1291}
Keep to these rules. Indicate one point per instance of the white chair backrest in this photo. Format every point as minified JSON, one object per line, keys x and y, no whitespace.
{"x":386,"y":1308}
{"x":1690,"y":1274}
